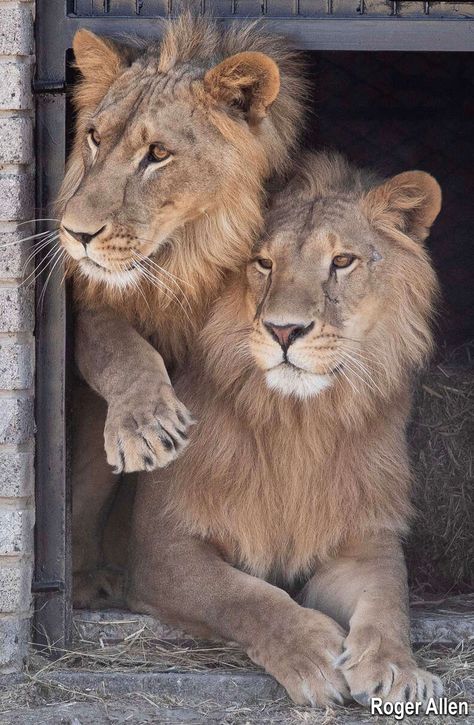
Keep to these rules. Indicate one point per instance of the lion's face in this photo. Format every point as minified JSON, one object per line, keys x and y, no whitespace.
{"x":318,"y":288}
{"x":157,"y":146}
{"x":152,"y":162}
{"x":323,"y":284}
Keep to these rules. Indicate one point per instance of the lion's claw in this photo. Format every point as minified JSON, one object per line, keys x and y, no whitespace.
{"x":376,"y":667}
{"x":146,"y":431}
{"x":302,"y":660}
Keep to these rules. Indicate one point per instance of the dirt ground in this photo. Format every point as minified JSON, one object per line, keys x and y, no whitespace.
{"x":71,"y":693}
{"x":38,"y":707}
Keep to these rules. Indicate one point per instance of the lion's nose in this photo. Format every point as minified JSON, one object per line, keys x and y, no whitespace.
{"x":286,"y":334}
{"x":84,"y":237}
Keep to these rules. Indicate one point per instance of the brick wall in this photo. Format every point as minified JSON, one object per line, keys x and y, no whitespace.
{"x":16,"y":331}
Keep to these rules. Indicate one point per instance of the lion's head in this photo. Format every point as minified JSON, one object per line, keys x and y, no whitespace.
{"x":172,"y":134}
{"x":340,"y":292}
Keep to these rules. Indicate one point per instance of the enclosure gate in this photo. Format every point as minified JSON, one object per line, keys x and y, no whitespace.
{"x":343,"y":25}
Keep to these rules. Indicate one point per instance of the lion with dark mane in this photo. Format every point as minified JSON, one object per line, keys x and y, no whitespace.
{"x":296,"y":478}
{"x":163,"y":195}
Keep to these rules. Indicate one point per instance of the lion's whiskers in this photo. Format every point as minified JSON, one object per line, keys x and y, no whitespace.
{"x":161,"y":269}
{"x":55,"y":260}
{"x":351,"y":383}
{"x":136,"y":286}
{"x":367,"y":360}
{"x":44,"y":261}
{"x":367,"y":356}
{"x":37,"y":220}
{"x":40,"y":236}
{"x":359,"y":370}
{"x":156,"y":269}
{"x":245,"y":330}
{"x":38,"y":247}
{"x":159,"y":284}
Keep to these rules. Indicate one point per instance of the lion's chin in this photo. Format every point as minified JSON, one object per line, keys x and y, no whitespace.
{"x":289,"y":380}
{"x":121,"y":278}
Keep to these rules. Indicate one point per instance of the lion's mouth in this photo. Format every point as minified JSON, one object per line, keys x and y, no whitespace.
{"x":88,"y":262}
{"x":290,"y":380}
{"x":287,"y":364}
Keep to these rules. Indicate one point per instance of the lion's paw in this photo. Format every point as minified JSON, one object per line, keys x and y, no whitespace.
{"x":100,"y":588}
{"x":302,"y":660}
{"x":146,"y":430}
{"x":376,"y":667}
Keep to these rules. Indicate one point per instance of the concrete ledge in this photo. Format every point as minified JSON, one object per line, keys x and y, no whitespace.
{"x":115,"y":625}
{"x":245,"y":688}
{"x":242,"y":688}
{"x":448,"y":626}
{"x":29,"y":701}
{"x":442,"y":627}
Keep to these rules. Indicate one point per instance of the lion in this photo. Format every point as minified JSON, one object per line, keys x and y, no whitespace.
{"x":296,"y":480}
{"x":175,"y":142}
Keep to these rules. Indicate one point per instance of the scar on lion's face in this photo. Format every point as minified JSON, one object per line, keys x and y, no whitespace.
{"x":323,"y":276}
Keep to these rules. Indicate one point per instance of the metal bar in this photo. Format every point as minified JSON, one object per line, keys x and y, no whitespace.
{"x":359,"y":33}
{"x":43,"y":587}
{"x":326,"y":33}
{"x":48,"y":87}
{"x":52,"y":621}
{"x":52,"y":39}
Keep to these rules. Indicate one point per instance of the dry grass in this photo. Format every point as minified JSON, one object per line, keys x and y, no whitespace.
{"x":142,"y":652}
{"x":42,"y":699}
{"x":440,"y":550}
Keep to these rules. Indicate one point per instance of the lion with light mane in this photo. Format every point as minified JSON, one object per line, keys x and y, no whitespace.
{"x":297,"y":478}
{"x":162,"y":199}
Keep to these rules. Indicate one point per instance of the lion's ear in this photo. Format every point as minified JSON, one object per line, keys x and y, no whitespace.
{"x":409,"y":202}
{"x":100,"y":61}
{"x":250,"y":81}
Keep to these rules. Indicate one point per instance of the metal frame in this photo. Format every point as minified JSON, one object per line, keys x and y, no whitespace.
{"x":422,"y":33}
{"x":51,"y":583}
{"x":54,"y":31}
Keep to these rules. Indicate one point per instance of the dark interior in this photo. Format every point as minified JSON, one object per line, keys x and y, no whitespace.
{"x":399,"y":111}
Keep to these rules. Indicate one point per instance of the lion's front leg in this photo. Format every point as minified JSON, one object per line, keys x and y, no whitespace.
{"x":184,"y":581}
{"x":366,"y":590}
{"x":146,"y":426}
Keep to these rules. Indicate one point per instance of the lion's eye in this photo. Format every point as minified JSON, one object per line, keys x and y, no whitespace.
{"x":340,"y":261}
{"x":94,"y":137}
{"x":157,"y":153}
{"x":264,"y":263}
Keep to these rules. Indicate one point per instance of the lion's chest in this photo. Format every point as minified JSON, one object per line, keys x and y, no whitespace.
{"x":277,"y":498}
{"x":275,"y":522}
